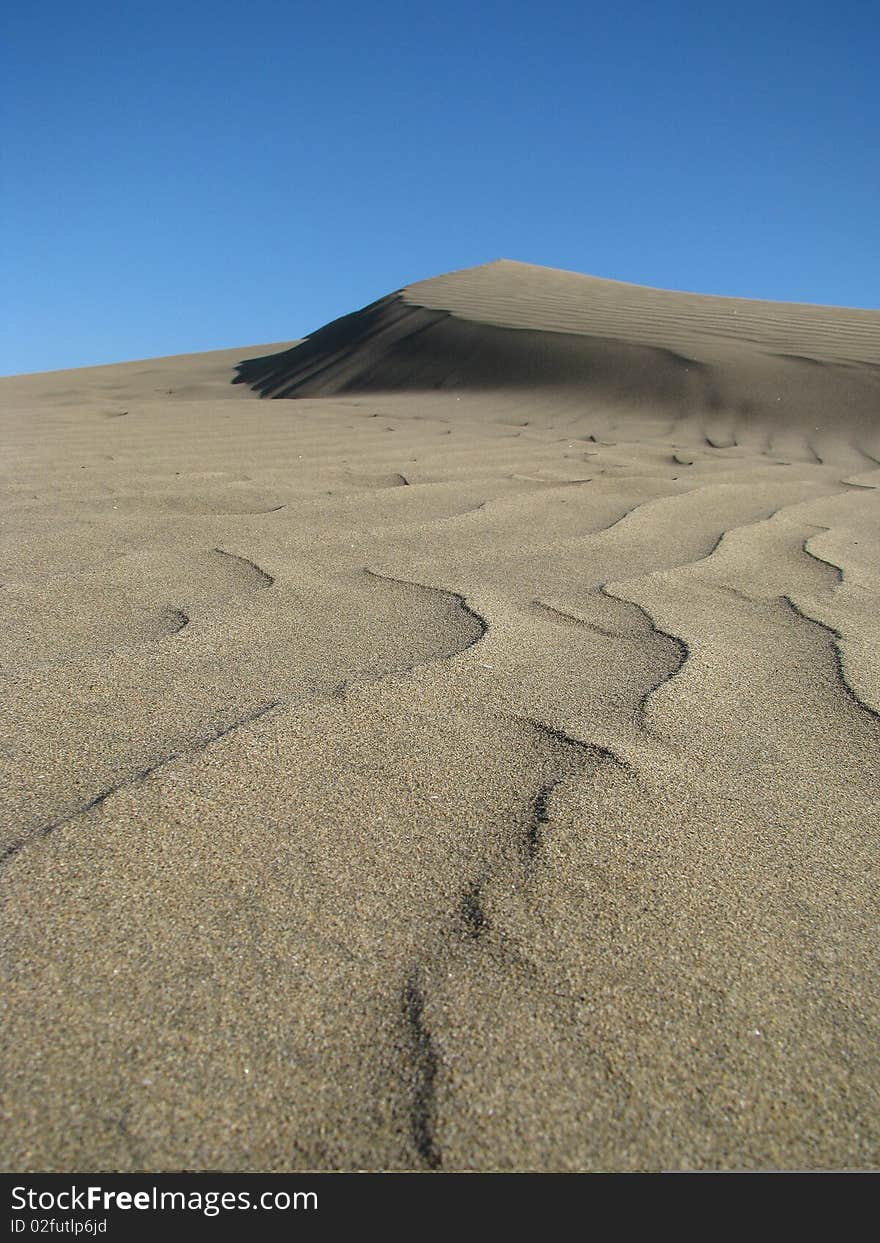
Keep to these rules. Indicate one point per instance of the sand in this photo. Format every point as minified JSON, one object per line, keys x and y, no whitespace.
{"x":471,"y":764}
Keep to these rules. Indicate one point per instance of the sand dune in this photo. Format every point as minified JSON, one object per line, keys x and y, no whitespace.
{"x":471,"y":764}
{"x":735,"y":371}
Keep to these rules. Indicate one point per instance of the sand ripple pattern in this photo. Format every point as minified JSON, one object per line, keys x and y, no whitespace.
{"x":471,"y":764}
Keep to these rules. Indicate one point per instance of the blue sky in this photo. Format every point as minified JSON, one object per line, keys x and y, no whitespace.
{"x":193,"y":175}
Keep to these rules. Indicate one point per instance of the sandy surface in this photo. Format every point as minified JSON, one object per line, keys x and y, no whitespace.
{"x":472,"y":764}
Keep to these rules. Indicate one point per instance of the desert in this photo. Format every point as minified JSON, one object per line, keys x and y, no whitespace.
{"x":448,"y":742}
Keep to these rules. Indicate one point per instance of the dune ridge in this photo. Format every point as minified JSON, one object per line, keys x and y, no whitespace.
{"x":471,"y":764}
{"x":749,"y":366}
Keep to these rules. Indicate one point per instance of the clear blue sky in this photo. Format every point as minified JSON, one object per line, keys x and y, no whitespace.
{"x":202,"y":174}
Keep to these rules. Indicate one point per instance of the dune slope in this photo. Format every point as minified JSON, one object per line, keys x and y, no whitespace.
{"x":743,"y":369}
{"x":471,"y":764}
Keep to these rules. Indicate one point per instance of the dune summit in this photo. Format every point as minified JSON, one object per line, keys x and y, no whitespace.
{"x":743,"y":368}
{"x":471,"y":764}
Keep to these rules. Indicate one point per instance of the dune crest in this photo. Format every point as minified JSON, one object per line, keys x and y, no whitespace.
{"x":725,"y":370}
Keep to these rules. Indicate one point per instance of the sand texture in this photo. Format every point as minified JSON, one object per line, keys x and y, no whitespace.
{"x":470,"y":764}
